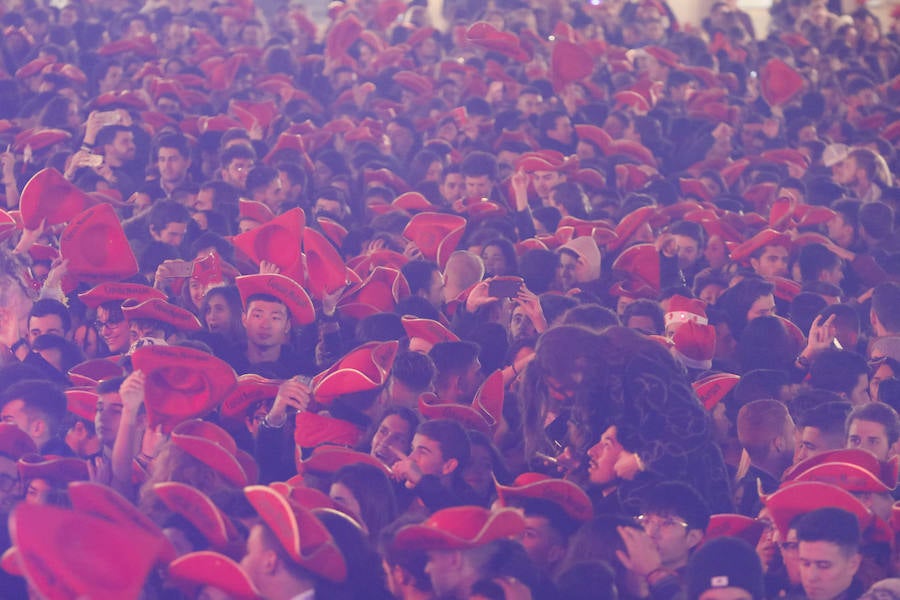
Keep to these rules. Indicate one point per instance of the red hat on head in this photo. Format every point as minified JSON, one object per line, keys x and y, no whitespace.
{"x":379,"y":292}
{"x":427,"y":330}
{"x":419,"y":84}
{"x":640,"y":261}
{"x":250,"y":389}
{"x":262,"y":112}
{"x":15,"y":443}
{"x":696,"y":188}
{"x":633,"y":100}
{"x":412,"y":202}
{"x":365,"y":368}
{"x":97,"y":249}
{"x":662,"y":55}
{"x":682,"y":310}
{"x":542,"y":160}
{"x":331,"y":459}
{"x":885,"y":471}
{"x":595,"y":135}
{"x":195,"y":570}
{"x":308,"y":498}
{"x":313,"y":430}
{"x":118,"y":292}
{"x":90,"y":372}
{"x":39,"y":139}
{"x":571,"y":498}
{"x":712,"y":388}
{"x":333,"y":230}
{"x":211,"y":445}
{"x":695,"y":344}
{"x":847,"y":476}
{"x":486,"y":36}
{"x":51,"y":544}
{"x":435,"y":234}
{"x":55,"y":469}
{"x":287,"y":141}
{"x":732,"y":525}
{"x":255,"y":211}
{"x":305,"y":539}
{"x":760,"y":195}
{"x":363,"y":265}
{"x":210,"y":270}
{"x":569,"y":62}
{"x":809,"y":215}
{"x":779,"y":82}
{"x":300,"y":307}
{"x":164,"y":312}
{"x":791,"y":501}
{"x":633,"y":150}
{"x":82,"y":403}
{"x":49,"y":197}
{"x":630,"y":224}
{"x":385,"y":177}
{"x":200,"y":511}
{"x":786,"y":156}
{"x":766,"y":237}
{"x":34,"y":67}
{"x":460,"y":528}
{"x":483,"y":415}
{"x":277,"y":241}
{"x":182,"y":383}
{"x":324,"y":265}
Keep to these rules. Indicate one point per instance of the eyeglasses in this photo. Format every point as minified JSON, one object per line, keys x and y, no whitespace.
{"x":110,"y":323}
{"x":658,"y":523}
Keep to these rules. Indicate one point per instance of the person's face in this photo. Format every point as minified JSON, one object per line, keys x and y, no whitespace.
{"x":529,"y":104}
{"x":688,"y":251}
{"x":14,"y":412}
{"x":433,"y":173}
{"x":711,"y":292}
{"x":562,"y":130}
{"x":844,"y":173}
{"x":520,"y":325}
{"x":813,"y":442}
{"x":479,"y":472}
{"x":585,"y":150}
{"x":884,"y":371}
{"x":107,"y":417}
{"x":272,"y":195}
{"x":764,"y":306}
{"x":603,"y":456}
{"x":672,"y":537}
{"x":392,"y":436}
{"x":543,"y":544}
{"x":324,"y":206}
{"x":790,"y":556}
{"x":452,"y":188}
{"x":436,"y":289}
{"x":494,"y":261}
{"x":344,"y":498}
{"x":544,"y":181}
{"x":122,"y":148}
{"x":565,"y":272}
{"x":46,"y":324}
{"x":443,"y":570}
{"x":38,"y":491}
{"x":715,"y":252}
{"x":870,"y":436}
{"x":266,"y":323}
{"x":859,"y":395}
{"x":401,"y":139}
{"x":826,"y":569}
{"x":257,"y":559}
{"x":427,"y":455}
{"x":114,"y":331}
{"x":172,"y":165}
{"x":10,"y":485}
{"x":172,"y":234}
{"x":218,"y":315}
{"x":478,"y":187}
{"x":236,"y":172}
{"x":772,"y":263}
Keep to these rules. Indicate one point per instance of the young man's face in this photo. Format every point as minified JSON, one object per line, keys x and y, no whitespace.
{"x":826,"y":569}
{"x":859,"y":395}
{"x":478,"y":186}
{"x":764,"y":306}
{"x":603,"y":456}
{"x":236,"y":172}
{"x":172,"y":165}
{"x":544,"y":181}
{"x":427,"y":455}
{"x":870,"y":436}
{"x":813,"y":441}
{"x":107,"y":417}
{"x":172,"y":234}
{"x":688,"y":251}
{"x":772,"y":263}
{"x":267,"y":323}
{"x":453,"y":187}
{"x":46,"y":324}
{"x":673,"y":538}
{"x":544,"y":545}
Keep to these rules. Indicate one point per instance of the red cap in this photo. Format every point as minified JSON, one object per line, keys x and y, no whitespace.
{"x":118,"y":292}
{"x":277,"y":241}
{"x":250,"y":389}
{"x":483,"y":415}
{"x":435,"y":234}
{"x":305,"y":539}
{"x":313,"y":430}
{"x":733,"y":525}
{"x":330,"y":459}
{"x":379,"y":292}
{"x":695,"y":344}
{"x":779,"y":82}
{"x":55,"y":469}
{"x":325,"y":268}
{"x":213,"y":446}
{"x":82,"y":402}
{"x":93,"y":262}
{"x":461,"y":528}
{"x":49,"y":196}
{"x":571,"y":498}
{"x":162,"y":311}
{"x":712,"y":388}
{"x":200,"y":511}
{"x":195,"y":570}
{"x":15,"y":443}
{"x":569,"y":62}
{"x":365,"y":368}
{"x":766,"y":237}
{"x":291,"y":293}
{"x":90,"y":372}
{"x":682,"y":310}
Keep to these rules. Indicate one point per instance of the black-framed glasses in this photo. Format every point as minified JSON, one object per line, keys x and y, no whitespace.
{"x":110,"y":323}
{"x":657,"y":522}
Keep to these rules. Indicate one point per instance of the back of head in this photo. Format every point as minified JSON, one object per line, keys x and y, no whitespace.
{"x":837,"y":371}
{"x":725,"y":562}
{"x":453,"y":358}
{"x":39,"y":398}
{"x":760,"y":422}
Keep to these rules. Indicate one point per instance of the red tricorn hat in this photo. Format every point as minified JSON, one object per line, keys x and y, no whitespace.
{"x":162,"y":311}
{"x":797,"y":499}
{"x":312,"y":429}
{"x":255,"y":211}
{"x":200,"y":511}
{"x":486,"y":36}
{"x":15,"y":443}
{"x":629,"y":224}
{"x":55,"y":469}
{"x":362,"y":369}
{"x":300,"y":307}
{"x":325,"y":268}
{"x":379,"y":292}
{"x":733,"y":525}
{"x":569,"y":62}
{"x":118,"y":292}
{"x":640,"y":265}
{"x":712,"y":388}
{"x":250,"y":389}
{"x":483,"y":415}
{"x":849,"y":477}
{"x":306,"y":497}
{"x":682,"y":310}
{"x":363,"y":265}
{"x":695,"y":344}
{"x":90,"y":372}
{"x":461,"y":528}
{"x":779,"y":82}
{"x":51,"y":542}
{"x":210,"y":270}
{"x":182,"y":383}
{"x":594,"y":135}
{"x":301,"y":534}
{"x":213,"y":446}
{"x":333,"y":230}
{"x":766,"y":237}
{"x":542,"y":160}
{"x":330,"y":459}
{"x":696,"y":188}
{"x":49,"y":196}
{"x":427,"y":330}
{"x":97,"y":248}
{"x":195,"y":570}
{"x":82,"y":403}
{"x":885,"y":471}
{"x":571,"y":498}
{"x":435,"y":234}
{"x":278,"y":242}
{"x":39,"y":139}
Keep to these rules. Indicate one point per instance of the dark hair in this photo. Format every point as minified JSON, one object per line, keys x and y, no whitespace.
{"x":453,"y":358}
{"x":373,"y":491}
{"x":107,"y":134}
{"x":478,"y":164}
{"x":48,"y":306}
{"x":837,"y":370}
{"x":592,"y":316}
{"x":830,"y":524}
{"x":689,"y":229}
{"x":830,"y":418}
{"x":507,"y":250}
{"x":886,"y":305}
{"x":815,"y":258}
{"x":411,"y":561}
{"x":587,"y":580}
{"x":646,"y":308}
{"x":40,"y":398}
{"x":571,"y":196}
{"x":365,"y":576}
{"x":677,"y":499}
{"x":111,"y":385}
{"x":414,"y":369}
{"x":418,"y":274}
{"x":452,"y":438}
{"x":877,"y":412}
{"x":236,"y":151}
{"x":766,"y":344}
{"x":164,"y":212}
{"x":538,"y":269}
{"x":380,"y":327}
{"x":877,"y":219}
{"x":259,"y":177}
{"x":173,"y":140}
{"x":737,"y":300}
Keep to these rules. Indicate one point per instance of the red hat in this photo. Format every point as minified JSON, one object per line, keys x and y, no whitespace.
{"x":779,"y":82}
{"x":849,"y":477}
{"x":663,"y":55}
{"x":429,"y":331}
{"x":809,"y":215}
{"x":460,"y":528}
{"x":788,"y":156}
{"x":162,"y":311}
{"x":365,"y":368}
{"x":210,"y":270}
{"x":9,"y":562}
{"x":542,"y":160}
{"x":287,"y":141}
{"x":640,"y":264}
{"x":379,"y":292}
{"x":49,"y":196}
{"x":333,"y":230}
{"x":211,"y":445}
{"x":573,"y":500}
{"x":885,"y":471}
{"x":34,"y":67}
{"x":312,"y":429}
{"x":696,"y":188}
{"x":82,"y":402}
{"x":385,"y":177}
{"x":200,"y":511}
{"x":486,"y":36}
{"x":330,"y":459}
{"x":712,"y":388}
{"x":484,"y":414}
{"x":595,"y":135}
{"x":633,"y":100}
{"x":766,"y":237}
{"x":732,"y":525}
{"x":255,"y":211}
{"x":325,"y":268}
{"x":196,"y":570}
{"x":301,"y":534}
{"x":363,"y":265}
{"x":262,"y":112}
{"x":412,"y":202}
{"x":39,"y":139}
{"x":629,"y":224}
{"x":291,"y":293}
{"x":791,"y":501}
{"x":250,"y":389}
{"x":182,"y":383}
{"x":569,"y":62}
{"x":633,"y":150}
{"x":277,"y":241}
{"x":56,"y":469}
{"x":90,"y":372}
{"x":418,"y":84}
{"x":97,"y":248}
{"x":682,"y":310}
{"x":15,"y":443}
{"x":435,"y":234}
{"x":589,"y":178}
{"x":305,"y":497}
{"x":695,"y":344}
{"x":118,"y":292}
{"x":51,"y":543}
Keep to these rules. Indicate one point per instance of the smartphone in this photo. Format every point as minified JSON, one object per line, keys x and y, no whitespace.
{"x":505,"y":287}
{"x":179,"y":268}
{"x":109,"y":117}
{"x":94,"y":160}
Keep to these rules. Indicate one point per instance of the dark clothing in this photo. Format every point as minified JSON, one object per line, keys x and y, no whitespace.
{"x":746,"y":496}
{"x":290,"y":362}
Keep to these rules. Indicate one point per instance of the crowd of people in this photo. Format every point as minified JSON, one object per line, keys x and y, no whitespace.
{"x":507,"y":300}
